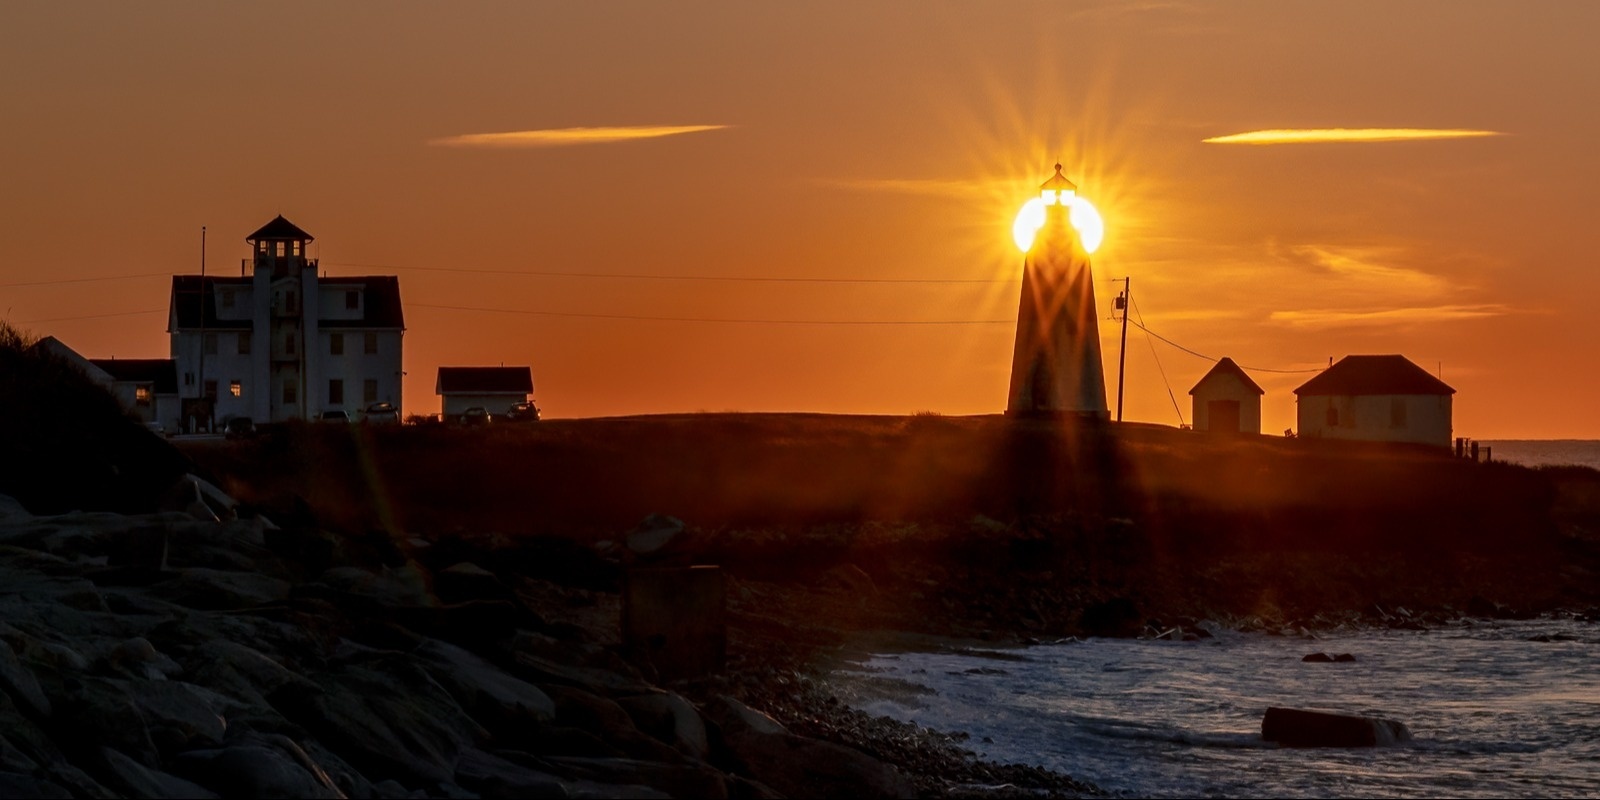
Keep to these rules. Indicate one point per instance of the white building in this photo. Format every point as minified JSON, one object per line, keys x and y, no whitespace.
{"x":1376,"y":398}
{"x":1227,"y":401}
{"x":147,"y":388}
{"x":495,"y":389}
{"x":285,"y":343}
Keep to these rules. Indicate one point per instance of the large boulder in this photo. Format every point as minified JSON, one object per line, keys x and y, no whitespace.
{"x":495,"y":699}
{"x":181,"y":716}
{"x":608,"y":721}
{"x":1114,"y":618}
{"x":218,"y":590}
{"x":800,"y":767}
{"x":495,"y":778}
{"x":266,"y":767}
{"x":17,"y":681}
{"x":388,"y":717}
{"x":671,"y":719}
{"x":1296,"y":728}
{"x":137,"y":780}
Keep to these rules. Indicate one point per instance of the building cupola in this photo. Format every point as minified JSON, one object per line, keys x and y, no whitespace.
{"x":280,"y":246}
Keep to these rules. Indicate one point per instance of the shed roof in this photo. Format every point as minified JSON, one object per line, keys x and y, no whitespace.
{"x":1227,"y":367}
{"x":484,"y":380}
{"x":163,"y":372}
{"x":1370,"y":375}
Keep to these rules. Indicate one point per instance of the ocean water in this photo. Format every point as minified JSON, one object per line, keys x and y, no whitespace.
{"x":1493,"y":712}
{"x":1547,"y":452}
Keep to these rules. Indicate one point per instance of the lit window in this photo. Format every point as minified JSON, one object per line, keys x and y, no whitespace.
{"x":141,"y":395}
{"x":236,"y":388}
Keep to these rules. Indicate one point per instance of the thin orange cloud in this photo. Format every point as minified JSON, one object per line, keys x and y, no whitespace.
{"x":1330,"y":317}
{"x":566,"y":137}
{"x":1325,"y":135}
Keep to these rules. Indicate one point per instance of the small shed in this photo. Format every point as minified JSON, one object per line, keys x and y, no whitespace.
{"x":495,"y":389}
{"x":1227,"y":401}
{"x":1377,"y":399}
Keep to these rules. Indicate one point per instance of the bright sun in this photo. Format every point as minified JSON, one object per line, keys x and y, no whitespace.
{"x":1091,"y":229}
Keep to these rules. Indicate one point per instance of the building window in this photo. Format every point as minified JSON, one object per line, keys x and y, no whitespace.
{"x":289,"y":303}
{"x":336,"y":344}
{"x":370,"y":345}
{"x":1397,"y":412}
{"x":211,"y":390}
{"x":244,"y":343}
{"x":288,"y":344}
{"x":352,"y":300}
{"x":188,"y":379}
{"x":290,"y":391}
{"x":141,"y":395}
{"x":227,"y":299}
{"x":210,"y":344}
{"x":335,"y":392}
{"x":369,"y":391}
{"x":236,"y":388}
{"x":1333,"y":417}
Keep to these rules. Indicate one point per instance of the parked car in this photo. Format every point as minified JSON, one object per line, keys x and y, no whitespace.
{"x":239,"y":428}
{"x":334,"y":416}
{"x":523,"y":412}
{"x":381,"y":413}
{"x":475,"y":416}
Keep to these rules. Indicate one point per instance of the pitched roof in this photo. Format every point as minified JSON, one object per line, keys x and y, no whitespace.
{"x":1227,"y":367}
{"x":279,"y":229}
{"x":190,"y":299}
{"x":382,"y":307}
{"x":163,"y":372}
{"x":1367,"y":375}
{"x":484,"y":380}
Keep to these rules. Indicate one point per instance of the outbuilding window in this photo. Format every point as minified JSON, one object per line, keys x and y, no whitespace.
{"x":141,"y":395}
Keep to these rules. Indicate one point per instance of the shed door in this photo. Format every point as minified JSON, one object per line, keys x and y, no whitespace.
{"x":1223,"y":416}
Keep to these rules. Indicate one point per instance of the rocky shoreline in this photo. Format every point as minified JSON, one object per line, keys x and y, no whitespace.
{"x":168,"y":655}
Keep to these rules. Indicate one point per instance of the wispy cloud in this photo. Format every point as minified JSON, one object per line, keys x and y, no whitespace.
{"x":924,"y":186}
{"x":566,"y":137}
{"x":1348,"y":317}
{"x":1326,"y":135}
{"x":1370,"y":268}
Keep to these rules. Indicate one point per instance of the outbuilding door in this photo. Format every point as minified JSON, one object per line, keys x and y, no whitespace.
{"x":1223,"y":416}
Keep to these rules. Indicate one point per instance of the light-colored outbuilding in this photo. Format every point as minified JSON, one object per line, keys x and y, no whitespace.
{"x":494,"y":389}
{"x":1378,"y":399}
{"x":1227,"y":401}
{"x":147,"y":388}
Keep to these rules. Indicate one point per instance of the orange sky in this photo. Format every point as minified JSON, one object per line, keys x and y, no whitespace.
{"x":895,"y":140}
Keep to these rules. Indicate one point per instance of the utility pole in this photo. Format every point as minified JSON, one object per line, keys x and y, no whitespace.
{"x":1122,"y":349}
{"x":201,"y":379}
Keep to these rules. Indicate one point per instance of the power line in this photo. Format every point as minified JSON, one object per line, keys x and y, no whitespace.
{"x":59,"y":281}
{"x":653,"y":277}
{"x":94,"y":316}
{"x":1140,"y":325}
{"x":1159,"y":368}
{"x":721,"y":320}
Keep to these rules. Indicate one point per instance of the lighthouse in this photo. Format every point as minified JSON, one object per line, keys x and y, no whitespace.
{"x":1055,"y":366}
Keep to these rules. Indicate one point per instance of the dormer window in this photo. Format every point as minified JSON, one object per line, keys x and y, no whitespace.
{"x":352,"y":300}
